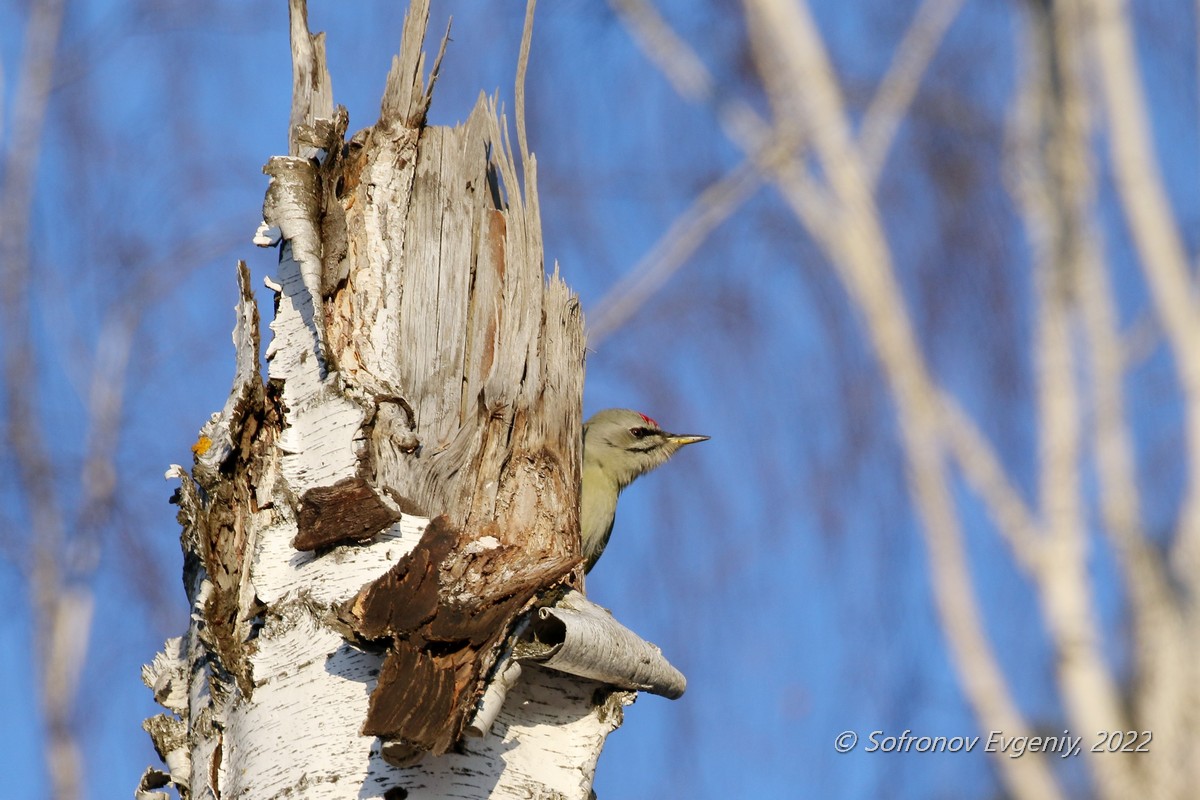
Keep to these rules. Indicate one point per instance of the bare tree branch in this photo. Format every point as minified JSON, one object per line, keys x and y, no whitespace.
{"x":686,"y":72}
{"x":778,"y":152}
{"x":1156,"y":235}
{"x":59,"y":614}
{"x":903,"y":78}
{"x":983,"y":681}
{"x":986,"y":474}
{"x":680,"y":241}
{"x":1055,"y":192}
{"x":519,"y":91}
{"x":1159,"y":635}
{"x":861,"y":255}
{"x":1169,"y":657}
{"x":693,"y":81}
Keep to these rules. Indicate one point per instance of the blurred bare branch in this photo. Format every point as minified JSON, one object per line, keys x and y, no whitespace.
{"x":1167,"y":648}
{"x":686,"y":72}
{"x":858,"y":249}
{"x":69,"y":497}
{"x":692,"y":80}
{"x":1055,"y":194}
{"x":1156,"y":235}
{"x":62,"y":613}
{"x":900,"y":83}
{"x":1014,"y":521}
{"x":1056,"y":190}
{"x":689,"y":231}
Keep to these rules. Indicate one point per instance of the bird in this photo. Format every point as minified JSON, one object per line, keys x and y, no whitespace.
{"x":618,"y":446}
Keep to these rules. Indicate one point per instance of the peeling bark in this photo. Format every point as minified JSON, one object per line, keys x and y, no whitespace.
{"x":366,"y":532}
{"x":578,"y":637}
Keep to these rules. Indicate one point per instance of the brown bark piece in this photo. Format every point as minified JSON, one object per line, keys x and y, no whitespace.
{"x":348,"y":511}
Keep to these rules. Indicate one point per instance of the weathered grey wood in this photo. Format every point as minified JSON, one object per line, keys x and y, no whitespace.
{"x":576,"y":636}
{"x":418,"y":440}
{"x":312,"y":88}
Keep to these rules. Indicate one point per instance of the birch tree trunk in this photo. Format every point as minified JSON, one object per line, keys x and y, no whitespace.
{"x":366,"y":532}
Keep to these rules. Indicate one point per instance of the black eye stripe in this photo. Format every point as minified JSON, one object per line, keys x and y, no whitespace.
{"x":639,"y":433}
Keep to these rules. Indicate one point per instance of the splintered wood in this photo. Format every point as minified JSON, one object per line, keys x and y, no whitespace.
{"x":428,"y":344}
{"x":365,"y":530}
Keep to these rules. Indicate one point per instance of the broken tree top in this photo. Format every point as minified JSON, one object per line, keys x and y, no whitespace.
{"x":383,"y":531}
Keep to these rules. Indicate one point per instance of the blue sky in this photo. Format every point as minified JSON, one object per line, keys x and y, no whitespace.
{"x":778,"y":565}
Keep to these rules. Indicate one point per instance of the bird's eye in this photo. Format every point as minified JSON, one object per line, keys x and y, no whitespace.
{"x":639,"y":433}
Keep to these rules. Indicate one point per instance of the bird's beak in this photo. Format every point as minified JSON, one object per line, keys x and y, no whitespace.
{"x":680,"y":439}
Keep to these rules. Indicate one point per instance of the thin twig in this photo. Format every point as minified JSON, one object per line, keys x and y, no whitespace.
{"x":519,"y":92}
{"x":686,"y":73}
{"x":768,"y":152}
{"x":689,"y":230}
{"x":1055,"y":197}
{"x":903,"y":78}
{"x":1013,"y":519}
{"x":863,"y":260}
{"x":1159,"y":633}
{"x":1156,"y":236}
{"x":55,"y":613}
{"x":691,"y":80}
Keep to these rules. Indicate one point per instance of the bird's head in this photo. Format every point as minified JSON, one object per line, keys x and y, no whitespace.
{"x":625,"y":444}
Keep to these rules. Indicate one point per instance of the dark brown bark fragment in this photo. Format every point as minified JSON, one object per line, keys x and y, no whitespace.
{"x":428,"y":239}
{"x":446,"y":608}
{"x":348,"y":511}
{"x":216,"y":517}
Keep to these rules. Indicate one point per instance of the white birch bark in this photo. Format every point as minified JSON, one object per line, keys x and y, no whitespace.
{"x":366,"y":532}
